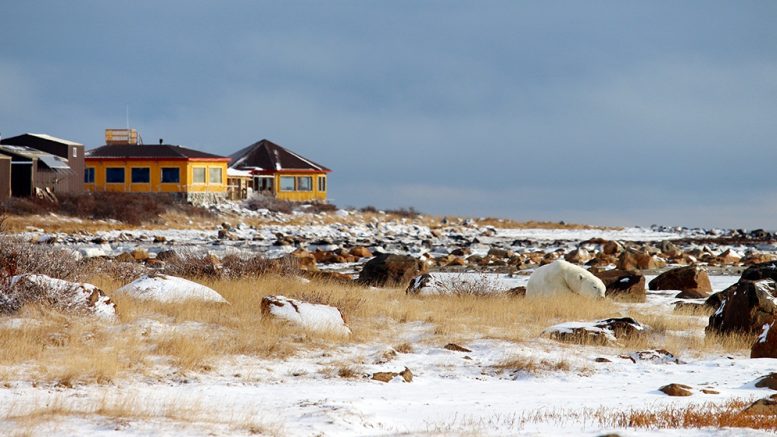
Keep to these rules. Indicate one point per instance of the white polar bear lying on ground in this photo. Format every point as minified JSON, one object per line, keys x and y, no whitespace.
{"x":561,"y":277}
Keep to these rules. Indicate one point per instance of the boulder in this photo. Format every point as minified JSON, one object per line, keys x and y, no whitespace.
{"x":169,"y":289}
{"x":387,"y":270}
{"x":692,"y":281}
{"x":124,"y":257}
{"x":676,"y":390}
{"x":639,"y":260}
{"x":756,"y":272}
{"x":746,"y":308}
{"x":167,"y":255}
{"x":315,"y":317}
{"x":656,"y":356}
{"x":456,"y":348}
{"x":63,"y":295}
{"x":612,"y":248}
{"x":623,"y":284}
{"x":763,"y":407}
{"x":303,"y":259}
{"x":765,"y":345}
{"x":360,"y":252}
{"x":407,"y":376}
{"x":601,"y":332}
{"x":139,"y":254}
{"x":441,"y":283}
{"x":578,"y":256}
{"x":500,"y":253}
{"x":729,"y":257}
{"x":769,"y":381}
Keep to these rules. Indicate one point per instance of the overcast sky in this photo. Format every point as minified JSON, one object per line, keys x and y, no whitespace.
{"x":599,"y":112}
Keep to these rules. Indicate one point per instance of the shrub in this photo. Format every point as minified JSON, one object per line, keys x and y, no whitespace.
{"x":409,"y":212}
{"x":260,"y":201}
{"x":130,"y":208}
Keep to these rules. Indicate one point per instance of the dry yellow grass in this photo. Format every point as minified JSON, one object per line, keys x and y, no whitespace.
{"x":26,"y":420}
{"x":193,"y":335}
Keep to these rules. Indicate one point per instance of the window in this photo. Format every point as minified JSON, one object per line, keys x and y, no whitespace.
{"x":322,"y":183}
{"x":215,"y":176}
{"x":89,"y":175}
{"x":287,"y":183}
{"x":141,"y":175}
{"x":75,"y":152}
{"x":305,"y":183}
{"x":114,"y":175}
{"x":198,"y":175}
{"x":171,"y":175}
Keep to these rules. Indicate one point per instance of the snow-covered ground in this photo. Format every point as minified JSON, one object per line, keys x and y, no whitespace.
{"x":452,"y":392}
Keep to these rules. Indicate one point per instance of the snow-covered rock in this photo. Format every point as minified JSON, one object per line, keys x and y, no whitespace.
{"x":63,"y":295}
{"x":461,"y":283}
{"x":315,"y":317}
{"x":166,"y":289}
{"x":600,"y":332}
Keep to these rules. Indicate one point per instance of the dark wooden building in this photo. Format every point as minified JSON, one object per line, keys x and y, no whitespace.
{"x":44,"y":162}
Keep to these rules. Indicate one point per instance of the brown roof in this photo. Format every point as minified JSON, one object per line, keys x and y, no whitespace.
{"x":148,"y":151}
{"x":266,"y":155}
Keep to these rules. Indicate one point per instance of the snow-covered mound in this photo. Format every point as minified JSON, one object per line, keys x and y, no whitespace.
{"x":63,"y":295}
{"x":462,"y":283}
{"x":599,"y":332}
{"x":164,"y":288}
{"x":315,"y":317}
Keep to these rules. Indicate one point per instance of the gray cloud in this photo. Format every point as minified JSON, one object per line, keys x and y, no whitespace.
{"x":609,"y":112}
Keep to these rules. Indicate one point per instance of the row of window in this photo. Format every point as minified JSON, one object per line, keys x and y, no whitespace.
{"x":301,"y":183}
{"x":142,"y":175}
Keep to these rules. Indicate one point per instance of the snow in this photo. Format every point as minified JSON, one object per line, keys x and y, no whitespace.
{"x":70,"y":295}
{"x":168,"y":289}
{"x":311,"y":316}
{"x":764,"y":334}
{"x":465,"y":283}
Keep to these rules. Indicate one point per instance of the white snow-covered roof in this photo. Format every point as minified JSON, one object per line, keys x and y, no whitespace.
{"x":231,"y":172}
{"x":57,"y":139}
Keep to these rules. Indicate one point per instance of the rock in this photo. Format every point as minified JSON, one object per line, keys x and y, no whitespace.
{"x":360,"y":252}
{"x":763,"y":407}
{"x":657,"y":356}
{"x":623,"y":284}
{"x":124,"y":257}
{"x":601,"y":332}
{"x":746,"y":308}
{"x":457,"y":261}
{"x":756,"y":272}
{"x":303,"y":259}
{"x":224,"y":234}
{"x":160,"y":239}
{"x":729,"y":257}
{"x":602,"y":360}
{"x":139,"y":254}
{"x":578,"y":256}
{"x":676,"y":390}
{"x":670,"y":249}
{"x":167,"y":255}
{"x":456,"y":348}
{"x":769,"y":381}
{"x":388,"y":270}
{"x":612,"y":248}
{"x":639,"y":260}
{"x":500,"y":253}
{"x":765,"y":345}
{"x":169,"y":289}
{"x":756,"y":258}
{"x":406,"y":375}
{"x":441,"y":283}
{"x":315,"y":317}
{"x":692,"y":281}
{"x":63,"y":295}
{"x":708,"y":391}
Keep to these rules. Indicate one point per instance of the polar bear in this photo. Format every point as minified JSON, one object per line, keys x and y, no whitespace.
{"x":560,"y":277}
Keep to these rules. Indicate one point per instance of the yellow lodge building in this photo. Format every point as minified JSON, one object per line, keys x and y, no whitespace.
{"x":278,"y":172}
{"x":157,"y":168}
